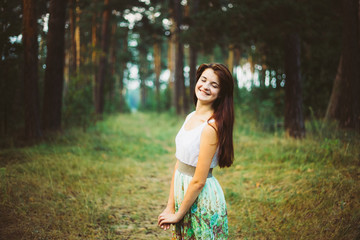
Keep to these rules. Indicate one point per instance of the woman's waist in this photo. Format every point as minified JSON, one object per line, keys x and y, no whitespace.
{"x":190,"y":170}
{"x":193,"y":160}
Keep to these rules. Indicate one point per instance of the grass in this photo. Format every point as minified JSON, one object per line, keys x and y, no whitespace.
{"x":112,"y":181}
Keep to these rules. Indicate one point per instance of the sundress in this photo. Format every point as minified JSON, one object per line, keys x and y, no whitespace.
{"x":207,"y":217}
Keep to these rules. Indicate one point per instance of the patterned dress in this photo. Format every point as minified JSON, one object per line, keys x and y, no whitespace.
{"x":207,"y":217}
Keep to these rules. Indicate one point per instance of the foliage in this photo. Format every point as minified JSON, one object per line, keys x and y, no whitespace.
{"x":256,"y":29}
{"x":263,"y":105}
{"x":78,"y":107}
{"x":11,"y":58}
{"x":152,"y":105}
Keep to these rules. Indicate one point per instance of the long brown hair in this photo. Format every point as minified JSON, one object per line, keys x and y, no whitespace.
{"x":223,"y":111}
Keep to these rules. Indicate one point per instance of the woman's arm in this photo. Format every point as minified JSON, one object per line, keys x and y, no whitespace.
{"x":171,"y":201}
{"x":170,"y":207}
{"x":208,"y":145}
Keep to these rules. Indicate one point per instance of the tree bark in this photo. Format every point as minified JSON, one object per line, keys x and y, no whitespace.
{"x":103,"y":63}
{"x":54,"y":73}
{"x":121,"y":74}
{"x":143,"y":74}
{"x":171,"y":64}
{"x":350,"y":75}
{"x":93,"y":38}
{"x":77,"y":37}
{"x":332,"y":111}
{"x":344,"y":104}
{"x":113,"y":51}
{"x":180,"y":93}
{"x":94,"y":56}
{"x":184,"y":101}
{"x":237,"y":56}
{"x":194,"y":7}
{"x":294,"y":122}
{"x":157,"y":66}
{"x":230,"y":60}
{"x":30,"y":71}
{"x":66,"y":70}
{"x":192,"y":73}
{"x":72,"y":24}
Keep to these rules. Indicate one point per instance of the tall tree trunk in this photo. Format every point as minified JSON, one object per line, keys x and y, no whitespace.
{"x":230,"y":61}
{"x":294,"y":122}
{"x":31,"y":91}
{"x":192,"y":73}
{"x":194,"y":6}
{"x":93,"y":38}
{"x":350,"y":83}
{"x":344,"y":104}
{"x":179,"y":97}
{"x":113,"y":51}
{"x":332,"y":111}
{"x":237,"y":56}
{"x":157,"y":65}
{"x":77,"y":36}
{"x":121,"y":73}
{"x":356,"y":88}
{"x":54,"y":73}
{"x":94,"y":56}
{"x":72,"y":24}
{"x":185,"y":98}
{"x":262,"y":75}
{"x":103,"y":63}
{"x":66,"y":70}
{"x":143,"y":74}
{"x":171,"y":65}
{"x":180,"y":93}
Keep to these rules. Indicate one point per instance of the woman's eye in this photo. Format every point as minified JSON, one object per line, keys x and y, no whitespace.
{"x":203,"y":80}
{"x":215,"y":86}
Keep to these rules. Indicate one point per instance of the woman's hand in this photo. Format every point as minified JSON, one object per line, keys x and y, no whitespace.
{"x":168,"y":210}
{"x":168,"y":218}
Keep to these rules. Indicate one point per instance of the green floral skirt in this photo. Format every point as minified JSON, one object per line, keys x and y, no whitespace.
{"x":207,"y":217}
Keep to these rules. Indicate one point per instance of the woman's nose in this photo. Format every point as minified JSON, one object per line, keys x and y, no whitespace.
{"x":206,"y":85}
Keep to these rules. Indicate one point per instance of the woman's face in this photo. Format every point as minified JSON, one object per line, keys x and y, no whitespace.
{"x":208,"y":86}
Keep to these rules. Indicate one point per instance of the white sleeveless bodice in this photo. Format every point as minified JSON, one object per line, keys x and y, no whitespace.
{"x":188,"y":144}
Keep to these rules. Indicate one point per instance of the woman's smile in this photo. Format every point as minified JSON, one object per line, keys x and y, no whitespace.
{"x":204,"y":92}
{"x":208,"y":86}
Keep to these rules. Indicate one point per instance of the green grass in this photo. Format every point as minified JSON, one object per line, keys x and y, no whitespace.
{"x":112,"y":182}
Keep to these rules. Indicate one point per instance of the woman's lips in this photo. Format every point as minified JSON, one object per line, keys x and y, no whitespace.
{"x":203,"y":92}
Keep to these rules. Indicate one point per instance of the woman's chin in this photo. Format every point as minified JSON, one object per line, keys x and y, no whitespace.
{"x":202,"y":95}
{"x":206,"y":100}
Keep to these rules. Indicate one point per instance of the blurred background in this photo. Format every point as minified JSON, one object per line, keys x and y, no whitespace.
{"x":93,"y":92}
{"x":67,"y":63}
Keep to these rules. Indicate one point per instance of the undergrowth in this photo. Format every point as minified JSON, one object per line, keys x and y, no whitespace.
{"x":112,"y":181}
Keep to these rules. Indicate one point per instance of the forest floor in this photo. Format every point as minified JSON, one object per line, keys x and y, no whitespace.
{"x":112,"y":181}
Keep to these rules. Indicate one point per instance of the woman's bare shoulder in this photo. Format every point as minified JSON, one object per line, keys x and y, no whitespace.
{"x":210,"y":132}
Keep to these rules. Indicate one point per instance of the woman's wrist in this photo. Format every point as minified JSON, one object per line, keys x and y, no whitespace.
{"x":170,"y":209}
{"x":170,"y":205}
{"x":180,"y":215}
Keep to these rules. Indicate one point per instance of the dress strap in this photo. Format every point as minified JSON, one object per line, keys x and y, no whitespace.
{"x":211,"y":120}
{"x":188,"y":117}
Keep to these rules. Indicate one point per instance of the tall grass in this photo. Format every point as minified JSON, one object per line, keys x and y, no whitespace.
{"x":112,"y":181}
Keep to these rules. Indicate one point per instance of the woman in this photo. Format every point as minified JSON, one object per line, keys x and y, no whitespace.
{"x":196,"y":203}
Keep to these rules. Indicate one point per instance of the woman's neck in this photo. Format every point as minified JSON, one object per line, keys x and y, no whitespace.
{"x":204,"y":110}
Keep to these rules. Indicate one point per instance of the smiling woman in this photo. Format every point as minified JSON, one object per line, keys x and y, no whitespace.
{"x":207,"y":87}
{"x":196,"y":203}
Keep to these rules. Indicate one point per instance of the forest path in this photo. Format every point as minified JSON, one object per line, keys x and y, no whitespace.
{"x":108,"y":183}
{"x":113,"y":181}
